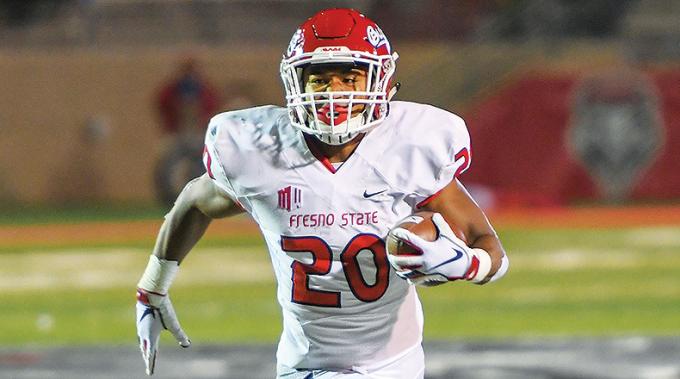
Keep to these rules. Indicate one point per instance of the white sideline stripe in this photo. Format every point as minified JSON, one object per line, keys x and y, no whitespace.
{"x":496,"y":363}
{"x":81,"y":269}
{"x":207,"y":368}
{"x":654,"y":237}
{"x":574,"y":259}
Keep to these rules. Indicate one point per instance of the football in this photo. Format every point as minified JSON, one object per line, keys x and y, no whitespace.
{"x":419,"y":223}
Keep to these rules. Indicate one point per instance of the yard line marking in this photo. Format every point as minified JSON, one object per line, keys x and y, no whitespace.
{"x":87,"y":269}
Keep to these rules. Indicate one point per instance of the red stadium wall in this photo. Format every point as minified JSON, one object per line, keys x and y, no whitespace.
{"x":520,"y":152}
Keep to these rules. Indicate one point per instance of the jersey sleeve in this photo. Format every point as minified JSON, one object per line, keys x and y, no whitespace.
{"x":447,"y":153}
{"x":213,"y":157}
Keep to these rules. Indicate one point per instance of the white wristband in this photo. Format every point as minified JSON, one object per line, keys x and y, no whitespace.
{"x":480,"y":265}
{"x":158,"y":275}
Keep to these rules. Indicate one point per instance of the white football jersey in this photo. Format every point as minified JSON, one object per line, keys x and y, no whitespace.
{"x":343,"y":305}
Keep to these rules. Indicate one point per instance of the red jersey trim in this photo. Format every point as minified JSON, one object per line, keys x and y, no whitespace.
{"x":429,"y":199}
{"x":208,"y":161}
{"x":317,"y":154}
{"x":464,"y":153}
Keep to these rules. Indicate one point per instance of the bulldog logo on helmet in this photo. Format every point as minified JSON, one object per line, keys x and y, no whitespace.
{"x":376,"y":37}
{"x":295,"y":46}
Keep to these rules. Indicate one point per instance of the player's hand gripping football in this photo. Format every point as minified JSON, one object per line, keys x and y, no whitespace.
{"x":445,"y":259}
{"x":155,"y":313}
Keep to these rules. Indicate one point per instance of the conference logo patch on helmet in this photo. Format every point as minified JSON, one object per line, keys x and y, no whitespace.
{"x":376,"y":37}
{"x":295,"y":46}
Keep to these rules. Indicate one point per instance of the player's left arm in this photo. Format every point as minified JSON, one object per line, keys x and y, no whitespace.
{"x":458,"y":208}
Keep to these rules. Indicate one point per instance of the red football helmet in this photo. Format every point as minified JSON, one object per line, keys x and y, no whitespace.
{"x":338,"y":36}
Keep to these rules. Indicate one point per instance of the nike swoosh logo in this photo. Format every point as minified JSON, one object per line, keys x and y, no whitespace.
{"x":459,"y":254}
{"x":367,"y":195}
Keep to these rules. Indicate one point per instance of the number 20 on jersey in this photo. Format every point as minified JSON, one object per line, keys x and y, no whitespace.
{"x":322,"y":257}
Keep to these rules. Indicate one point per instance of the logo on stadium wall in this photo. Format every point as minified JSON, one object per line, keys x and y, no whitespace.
{"x":616,"y":131}
{"x":290,"y":198}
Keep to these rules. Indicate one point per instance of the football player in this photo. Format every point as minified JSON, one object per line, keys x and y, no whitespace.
{"x":326,"y":178}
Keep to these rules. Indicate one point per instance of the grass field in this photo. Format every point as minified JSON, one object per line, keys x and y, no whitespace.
{"x":563,"y":281}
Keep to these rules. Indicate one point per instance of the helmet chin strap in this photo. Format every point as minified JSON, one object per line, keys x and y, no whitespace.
{"x":393,"y":91}
{"x":335,"y":140}
{"x":339,"y":139}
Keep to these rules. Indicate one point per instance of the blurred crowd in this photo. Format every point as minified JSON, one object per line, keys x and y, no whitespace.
{"x":451,"y":20}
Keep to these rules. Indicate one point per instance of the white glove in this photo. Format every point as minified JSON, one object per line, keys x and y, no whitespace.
{"x":446,"y":259}
{"x":154,"y":309}
{"x":155,"y":313}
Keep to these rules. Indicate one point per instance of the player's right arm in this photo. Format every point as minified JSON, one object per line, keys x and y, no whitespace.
{"x":200,"y":201}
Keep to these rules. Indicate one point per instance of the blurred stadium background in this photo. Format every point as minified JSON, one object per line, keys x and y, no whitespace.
{"x":574,"y":111}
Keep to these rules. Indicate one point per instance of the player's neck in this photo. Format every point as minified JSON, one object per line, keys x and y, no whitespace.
{"x":336,"y":153}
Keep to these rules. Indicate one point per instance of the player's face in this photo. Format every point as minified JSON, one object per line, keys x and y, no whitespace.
{"x":335,"y":78}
